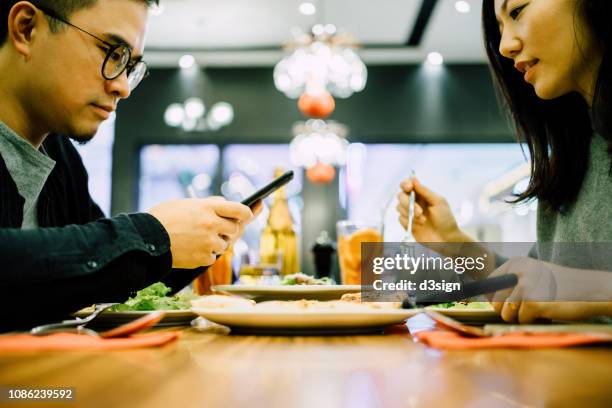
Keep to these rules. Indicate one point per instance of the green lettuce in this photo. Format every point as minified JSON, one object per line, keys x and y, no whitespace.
{"x":155,"y":297}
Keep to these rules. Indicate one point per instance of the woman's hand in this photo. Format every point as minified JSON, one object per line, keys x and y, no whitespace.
{"x":549,"y":291}
{"x":433,"y":218}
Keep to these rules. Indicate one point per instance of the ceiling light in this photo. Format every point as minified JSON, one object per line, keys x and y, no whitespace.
{"x":186,"y":61}
{"x":201,"y":181}
{"x":192,"y":115}
{"x":330,"y":29}
{"x":307,"y":9}
{"x":318,"y":29}
{"x":318,"y":141}
{"x":222,"y":113}
{"x":194,"y":108}
{"x":174,"y":115}
{"x":156,"y":9}
{"x":321,"y":61}
{"x":463,"y":6}
{"x":435,"y":58}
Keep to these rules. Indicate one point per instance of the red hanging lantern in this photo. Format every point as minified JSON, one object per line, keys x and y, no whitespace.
{"x":317,"y":105}
{"x":321,"y":173}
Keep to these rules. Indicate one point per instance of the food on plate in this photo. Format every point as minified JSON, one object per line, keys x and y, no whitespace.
{"x":464,"y":305}
{"x":351,"y":297}
{"x":154,"y":297}
{"x":232,"y":302}
{"x":397,"y":303}
{"x":303,"y":279}
{"x":349,"y":253}
{"x":357,"y":298}
{"x":303,"y":305}
{"x":316,"y":305}
{"x":222,"y":302}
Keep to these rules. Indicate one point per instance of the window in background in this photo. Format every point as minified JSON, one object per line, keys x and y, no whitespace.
{"x":248,"y":167}
{"x":166,"y":171}
{"x":459,"y":172}
{"x":97,"y":157}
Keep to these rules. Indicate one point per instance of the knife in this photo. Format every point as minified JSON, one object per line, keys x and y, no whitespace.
{"x":468,"y":290}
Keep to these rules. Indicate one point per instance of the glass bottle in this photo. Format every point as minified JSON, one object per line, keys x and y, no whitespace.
{"x":278,"y":244}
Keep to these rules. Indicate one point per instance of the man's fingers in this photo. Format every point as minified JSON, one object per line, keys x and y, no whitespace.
{"x":219,"y":246}
{"x":227,"y":226}
{"x":233,"y":210}
{"x":257,"y":208}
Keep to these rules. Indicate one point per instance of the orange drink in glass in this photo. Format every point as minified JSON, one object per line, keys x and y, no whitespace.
{"x":350,"y":236}
{"x":219,"y":273}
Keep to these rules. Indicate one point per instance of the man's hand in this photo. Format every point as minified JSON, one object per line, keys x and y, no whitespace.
{"x":201,"y":229}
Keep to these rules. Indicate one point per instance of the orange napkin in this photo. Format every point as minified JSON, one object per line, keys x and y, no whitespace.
{"x":448,"y":340}
{"x":78,"y":342}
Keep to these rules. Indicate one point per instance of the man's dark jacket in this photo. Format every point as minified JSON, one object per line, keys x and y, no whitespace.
{"x":77,"y":257}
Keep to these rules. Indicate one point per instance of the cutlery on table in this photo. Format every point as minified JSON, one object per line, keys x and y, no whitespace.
{"x":124,"y":330}
{"x":78,"y":323}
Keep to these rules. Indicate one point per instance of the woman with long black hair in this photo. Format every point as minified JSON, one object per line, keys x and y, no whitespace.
{"x":552,"y":62}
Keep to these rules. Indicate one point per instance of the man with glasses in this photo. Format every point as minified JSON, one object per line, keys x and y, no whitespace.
{"x":64,"y":66}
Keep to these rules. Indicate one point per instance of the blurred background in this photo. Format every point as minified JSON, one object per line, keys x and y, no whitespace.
{"x":350,"y":94}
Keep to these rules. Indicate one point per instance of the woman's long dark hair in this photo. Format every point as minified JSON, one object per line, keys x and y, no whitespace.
{"x":558,"y":132}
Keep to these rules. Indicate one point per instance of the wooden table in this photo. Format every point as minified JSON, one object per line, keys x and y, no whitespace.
{"x":215,"y":370}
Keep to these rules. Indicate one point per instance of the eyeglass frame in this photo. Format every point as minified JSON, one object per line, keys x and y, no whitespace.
{"x":129,"y":66}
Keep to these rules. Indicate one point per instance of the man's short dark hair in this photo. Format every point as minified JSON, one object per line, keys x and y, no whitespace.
{"x":63,"y":9}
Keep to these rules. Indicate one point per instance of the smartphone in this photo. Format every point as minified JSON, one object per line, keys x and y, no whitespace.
{"x":268,"y":189}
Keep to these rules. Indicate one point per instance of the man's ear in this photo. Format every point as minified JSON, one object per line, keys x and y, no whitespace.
{"x":22,"y":24}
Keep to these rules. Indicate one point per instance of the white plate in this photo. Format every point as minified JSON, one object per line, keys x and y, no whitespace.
{"x":106,"y":318}
{"x":305,"y":322}
{"x":289,"y":292}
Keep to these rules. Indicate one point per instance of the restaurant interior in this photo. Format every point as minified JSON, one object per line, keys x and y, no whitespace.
{"x":353,"y":96}
{"x":424,"y":102}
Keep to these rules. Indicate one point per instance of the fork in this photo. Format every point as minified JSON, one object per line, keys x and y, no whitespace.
{"x":408,"y":238}
{"x":77,"y":323}
{"x":124,"y":330}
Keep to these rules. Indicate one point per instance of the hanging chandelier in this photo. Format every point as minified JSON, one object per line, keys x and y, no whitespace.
{"x":321,"y":61}
{"x":317,"y":141}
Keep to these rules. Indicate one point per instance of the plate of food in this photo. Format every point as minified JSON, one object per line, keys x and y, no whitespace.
{"x":292,"y":287}
{"x":300,"y":317}
{"x":151,"y":298}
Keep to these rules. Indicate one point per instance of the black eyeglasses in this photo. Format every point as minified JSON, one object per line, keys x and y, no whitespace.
{"x":118,"y":57}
